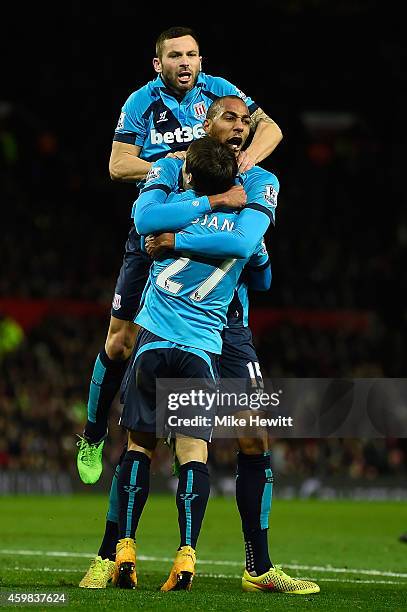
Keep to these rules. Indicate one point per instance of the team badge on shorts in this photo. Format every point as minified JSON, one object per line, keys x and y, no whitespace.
{"x":116,"y":304}
{"x":200,"y":110}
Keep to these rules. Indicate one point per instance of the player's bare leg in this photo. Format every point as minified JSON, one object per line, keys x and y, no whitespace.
{"x":121,"y":338}
{"x":191,"y":449}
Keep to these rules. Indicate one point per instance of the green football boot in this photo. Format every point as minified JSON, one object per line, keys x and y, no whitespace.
{"x":98,"y":575}
{"x":89,"y":459}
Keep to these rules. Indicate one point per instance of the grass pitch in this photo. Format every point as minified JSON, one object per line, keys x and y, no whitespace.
{"x":350,"y":548}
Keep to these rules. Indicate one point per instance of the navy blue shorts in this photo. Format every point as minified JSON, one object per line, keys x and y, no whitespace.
{"x":153,"y":358}
{"x":240,"y":363}
{"x":132,"y":279}
{"x":239,"y":358}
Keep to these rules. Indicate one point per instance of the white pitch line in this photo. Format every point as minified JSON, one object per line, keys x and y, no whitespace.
{"x":349,"y":580}
{"x":46,"y":553}
{"x":312,"y":568}
{"x":345,"y":570}
{"x":217,"y":576}
{"x":239,"y":576}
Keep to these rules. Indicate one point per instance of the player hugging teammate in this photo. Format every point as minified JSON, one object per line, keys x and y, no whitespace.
{"x":207,"y":216}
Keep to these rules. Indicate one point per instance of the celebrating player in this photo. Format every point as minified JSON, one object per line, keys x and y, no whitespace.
{"x":227,"y":120}
{"x":162,"y":117}
{"x":179,"y":338}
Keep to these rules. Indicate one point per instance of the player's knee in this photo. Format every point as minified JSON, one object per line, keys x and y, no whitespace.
{"x":120,"y":341}
{"x":252,"y":446}
{"x":191,"y":449}
{"x":116,"y":349}
{"x":143,"y":442}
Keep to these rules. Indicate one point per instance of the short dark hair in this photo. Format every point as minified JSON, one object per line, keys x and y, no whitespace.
{"x":212,"y":164}
{"x":175,"y":32}
{"x":218,"y":103}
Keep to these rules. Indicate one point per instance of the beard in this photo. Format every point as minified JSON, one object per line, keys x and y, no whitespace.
{"x":172,"y":81}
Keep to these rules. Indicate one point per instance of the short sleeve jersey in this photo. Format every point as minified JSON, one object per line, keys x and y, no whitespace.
{"x":159,"y":122}
{"x":186,"y":295}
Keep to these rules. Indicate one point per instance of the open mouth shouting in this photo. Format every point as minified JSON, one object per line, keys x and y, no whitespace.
{"x":235,"y":142}
{"x":184,"y":77}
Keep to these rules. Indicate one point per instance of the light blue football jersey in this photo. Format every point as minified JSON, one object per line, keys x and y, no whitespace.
{"x":159,"y":122}
{"x":238,"y":310}
{"x":187,"y":298}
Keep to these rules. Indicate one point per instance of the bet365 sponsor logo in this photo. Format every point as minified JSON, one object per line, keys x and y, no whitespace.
{"x":184,"y":134}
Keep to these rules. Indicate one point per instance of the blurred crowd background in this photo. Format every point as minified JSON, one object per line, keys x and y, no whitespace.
{"x":332,"y":78}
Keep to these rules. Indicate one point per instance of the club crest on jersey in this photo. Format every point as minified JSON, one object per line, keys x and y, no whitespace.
{"x":120,"y":123}
{"x":271,"y":195}
{"x":200,"y":110}
{"x":154,"y":173}
{"x":117,"y":301}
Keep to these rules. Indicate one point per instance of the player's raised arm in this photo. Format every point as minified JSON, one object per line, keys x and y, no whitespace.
{"x":267,"y":135}
{"x":266,"y":132}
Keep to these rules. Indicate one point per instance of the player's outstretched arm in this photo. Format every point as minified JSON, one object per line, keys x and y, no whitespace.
{"x":262,"y":190}
{"x":154,"y":214}
{"x":239,"y":243}
{"x":125,"y":164}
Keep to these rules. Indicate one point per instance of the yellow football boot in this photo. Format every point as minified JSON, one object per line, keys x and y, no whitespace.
{"x":124,"y":576}
{"x":276,"y":581}
{"x":182,"y":572}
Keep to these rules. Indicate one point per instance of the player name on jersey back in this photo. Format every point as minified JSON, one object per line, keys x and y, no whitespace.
{"x":187,"y":297}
